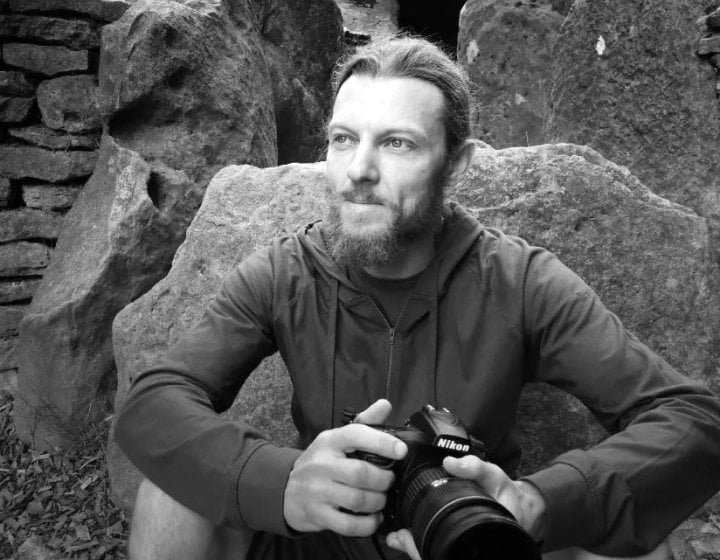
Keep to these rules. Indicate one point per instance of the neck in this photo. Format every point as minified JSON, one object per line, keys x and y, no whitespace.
{"x":411,"y":260}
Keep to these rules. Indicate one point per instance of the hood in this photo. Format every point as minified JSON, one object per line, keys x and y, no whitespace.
{"x":459,"y":233}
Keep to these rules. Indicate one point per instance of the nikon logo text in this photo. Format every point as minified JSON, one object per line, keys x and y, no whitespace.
{"x":453,"y":445}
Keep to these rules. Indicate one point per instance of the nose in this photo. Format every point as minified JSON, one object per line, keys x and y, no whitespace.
{"x":363,"y":166}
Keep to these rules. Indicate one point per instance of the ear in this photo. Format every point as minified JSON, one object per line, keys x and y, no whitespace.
{"x":461,"y":162}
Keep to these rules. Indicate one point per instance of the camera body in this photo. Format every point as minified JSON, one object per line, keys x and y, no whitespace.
{"x":450,"y":518}
{"x":430,"y":435}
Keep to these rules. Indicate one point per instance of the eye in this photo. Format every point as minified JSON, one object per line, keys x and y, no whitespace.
{"x":397,"y":143}
{"x":341,"y":139}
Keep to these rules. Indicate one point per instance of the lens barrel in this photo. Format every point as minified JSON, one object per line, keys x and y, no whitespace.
{"x":454,"y":519}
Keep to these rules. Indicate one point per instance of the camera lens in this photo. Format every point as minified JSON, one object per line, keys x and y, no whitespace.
{"x":454,"y":519}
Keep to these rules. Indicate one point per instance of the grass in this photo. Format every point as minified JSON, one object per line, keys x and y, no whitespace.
{"x":61,"y":501}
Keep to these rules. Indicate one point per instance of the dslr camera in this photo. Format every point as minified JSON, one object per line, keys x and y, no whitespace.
{"x":450,"y":518}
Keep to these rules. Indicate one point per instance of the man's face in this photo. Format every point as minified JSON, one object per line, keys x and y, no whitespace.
{"x":386,"y":164}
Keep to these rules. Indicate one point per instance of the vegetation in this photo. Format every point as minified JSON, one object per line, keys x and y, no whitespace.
{"x":62,"y":498}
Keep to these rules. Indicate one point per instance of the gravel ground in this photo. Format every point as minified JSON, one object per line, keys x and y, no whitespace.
{"x":57,"y":505}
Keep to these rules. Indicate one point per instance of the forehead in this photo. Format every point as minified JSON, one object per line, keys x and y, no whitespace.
{"x":393,"y":103}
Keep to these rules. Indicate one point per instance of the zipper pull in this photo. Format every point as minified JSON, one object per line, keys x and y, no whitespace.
{"x":392,"y":336}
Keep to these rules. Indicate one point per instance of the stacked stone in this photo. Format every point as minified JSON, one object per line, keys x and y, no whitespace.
{"x":49,"y":137}
{"x":709,"y":46}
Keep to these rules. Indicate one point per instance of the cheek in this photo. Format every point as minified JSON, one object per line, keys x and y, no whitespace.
{"x":334,"y":171}
{"x":416,"y":188}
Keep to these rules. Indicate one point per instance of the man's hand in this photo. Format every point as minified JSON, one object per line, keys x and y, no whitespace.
{"x":521,"y":498}
{"x":325,"y":484}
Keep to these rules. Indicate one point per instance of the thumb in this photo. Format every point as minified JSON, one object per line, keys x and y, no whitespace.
{"x":376,"y":413}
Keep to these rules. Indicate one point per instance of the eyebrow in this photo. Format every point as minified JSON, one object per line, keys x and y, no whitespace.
{"x":407,"y":130}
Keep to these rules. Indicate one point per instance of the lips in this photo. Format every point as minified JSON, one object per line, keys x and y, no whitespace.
{"x":362,"y":200}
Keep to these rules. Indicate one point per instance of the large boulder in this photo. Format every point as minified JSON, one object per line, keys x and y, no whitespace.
{"x":244,"y":208}
{"x":302,"y":41}
{"x":182,"y":86}
{"x":185,"y":91}
{"x":645,"y":256}
{"x":506,"y":47}
{"x":118,"y":238}
{"x":628,"y":83}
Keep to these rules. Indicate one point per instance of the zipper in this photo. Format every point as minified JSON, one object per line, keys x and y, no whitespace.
{"x":391,"y":332}
{"x":388,"y":376}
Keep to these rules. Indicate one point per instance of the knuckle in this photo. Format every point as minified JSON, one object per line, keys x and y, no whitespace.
{"x":324,"y":438}
{"x":363,"y":475}
{"x":343,"y":525}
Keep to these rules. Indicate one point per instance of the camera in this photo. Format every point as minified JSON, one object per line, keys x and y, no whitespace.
{"x":450,"y":518}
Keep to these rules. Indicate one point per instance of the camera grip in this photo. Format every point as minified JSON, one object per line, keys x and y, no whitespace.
{"x":373,"y":458}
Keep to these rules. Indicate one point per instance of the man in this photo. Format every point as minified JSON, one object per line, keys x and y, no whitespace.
{"x":395,"y":301}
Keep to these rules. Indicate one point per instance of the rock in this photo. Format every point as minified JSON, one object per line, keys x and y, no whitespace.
{"x":8,"y":354}
{"x":44,"y":59}
{"x":706,"y":546}
{"x":8,"y":378}
{"x":10,"y":316}
{"x":19,"y":162}
{"x":48,"y":138}
{"x":562,"y":6}
{"x":713,"y":20}
{"x":105,"y":10}
{"x":27,"y":223}
{"x":506,"y":47}
{"x":681,"y":538}
{"x":14,"y":110}
{"x":379,"y":19}
{"x":23,"y":258}
{"x":641,"y":97}
{"x":709,"y":45}
{"x":118,"y":239}
{"x":70,"y":103}
{"x":301,"y":83}
{"x":34,"y":549}
{"x":6,"y":192}
{"x":73,"y":33}
{"x":15,"y":291}
{"x":50,"y":197}
{"x":13,"y":83}
{"x":244,"y":208}
{"x":184,"y":88}
{"x":646,"y":257}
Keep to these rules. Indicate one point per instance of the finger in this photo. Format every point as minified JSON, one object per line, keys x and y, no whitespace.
{"x":358,"y":473}
{"x":351,"y":525}
{"x":403,"y":541}
{"x":488,"y":475}
{"x":355,"y":437}
{"x":376,"y":413}
{"x":359,"y":501}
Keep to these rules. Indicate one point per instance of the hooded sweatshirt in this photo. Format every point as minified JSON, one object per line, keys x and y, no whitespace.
{"x":488,"y":314}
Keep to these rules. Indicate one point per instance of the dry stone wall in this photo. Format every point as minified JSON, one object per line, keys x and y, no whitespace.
{"x":49,"y":139}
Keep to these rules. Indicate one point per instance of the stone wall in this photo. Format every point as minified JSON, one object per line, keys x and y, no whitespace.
{"x":49,"y":139}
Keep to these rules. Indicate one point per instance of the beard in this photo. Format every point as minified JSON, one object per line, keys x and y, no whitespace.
{"x":353,"y":249}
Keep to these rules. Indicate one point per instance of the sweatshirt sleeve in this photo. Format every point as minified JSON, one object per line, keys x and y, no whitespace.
{"x":170,"y":426}
{"x":662,"y":459}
